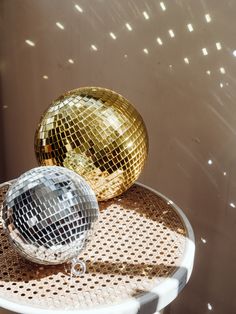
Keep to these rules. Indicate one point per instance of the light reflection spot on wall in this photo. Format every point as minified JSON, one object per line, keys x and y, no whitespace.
{"x":162,"y":5}
{"x":159,"y":41}
{"x":30,"y":42}
{"x":190,"y":27}
{"x":209,"y":306}
{"x":128,"y":26}
{"x":186,"y":60}
{"x":94,"y":47}
{"x":218,"y":46}
{"x":146,"y":16}
{"x":59,"y":25}
{"x":222,"y":70}
{"x":204,"y":51}
{"x":208,"y":18}
{"x":171,"y":33}
{"x":78,"y":8}
{"x":113,"y":36}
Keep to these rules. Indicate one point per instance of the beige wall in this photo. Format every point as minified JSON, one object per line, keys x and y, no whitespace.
{"x":190,"y":113}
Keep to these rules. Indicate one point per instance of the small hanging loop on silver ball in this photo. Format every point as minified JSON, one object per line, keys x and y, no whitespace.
{"x":78,"y":267}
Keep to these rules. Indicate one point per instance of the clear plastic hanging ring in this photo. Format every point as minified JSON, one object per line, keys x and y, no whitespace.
{"x":78,"y":267}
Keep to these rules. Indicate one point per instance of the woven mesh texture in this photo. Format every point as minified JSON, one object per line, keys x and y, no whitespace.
{"x":139,"y":242}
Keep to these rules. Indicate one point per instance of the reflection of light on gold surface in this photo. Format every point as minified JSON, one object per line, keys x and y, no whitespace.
{"x":71,"y":61}
{"x":128,"y":26}
{"x":146,"y":16}
{"x":208,"y":72}
{"x":234,"y":53}
{"x":59,"y":25}
{"x":221,"y":85}
{"x":45,"y":77}
{"x":204,"y":51}
{"x":145,"y":50}
{"x":203,"y":240}
{"x":190,"y":27}
{"x":186,"y":60}
{"x":162,"y":5}
{"x":114,"y":121}
{"x":218,"y":46}
{"x":130,"y":144}
{"x":210,"y":162}
{"x":94,"y":47}
{"x":113,"y":36}
{"x":232,"y":205}
{"x":224,"y":173}
{"x":171,"y":33}
{"x":30,"y":42}
{"x":159,"y":41}
{"x":208,"y":18}
{"x":98,"y":134}
{"x":78,"y":8}
{"x":222,"y":70}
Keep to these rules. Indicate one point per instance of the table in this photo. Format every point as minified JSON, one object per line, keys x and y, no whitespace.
{"x":139,"y":260}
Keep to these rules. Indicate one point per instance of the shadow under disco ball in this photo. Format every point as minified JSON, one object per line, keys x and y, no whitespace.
{"x":98,"y":134}
{"x":49,"y":214}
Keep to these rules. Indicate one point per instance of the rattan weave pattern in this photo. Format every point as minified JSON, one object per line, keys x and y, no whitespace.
{"x":139,"y":242}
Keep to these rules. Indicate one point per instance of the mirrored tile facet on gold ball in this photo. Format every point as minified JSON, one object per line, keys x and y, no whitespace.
{"x":97,"y":133}
{"x":49,"y":214}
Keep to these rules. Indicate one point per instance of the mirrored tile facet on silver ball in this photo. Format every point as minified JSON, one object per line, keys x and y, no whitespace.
{"x":49,"y":214}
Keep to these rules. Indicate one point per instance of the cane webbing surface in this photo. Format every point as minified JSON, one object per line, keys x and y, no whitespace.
{"x":139,"y":242}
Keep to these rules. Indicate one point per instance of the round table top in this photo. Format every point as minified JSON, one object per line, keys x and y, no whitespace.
{"x":138,"y":261}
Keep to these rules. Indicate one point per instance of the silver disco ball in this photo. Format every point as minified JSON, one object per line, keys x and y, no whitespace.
{"x":49,"y":214}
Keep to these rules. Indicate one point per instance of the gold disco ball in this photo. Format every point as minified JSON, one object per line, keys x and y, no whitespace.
{"x":98,"y":134}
